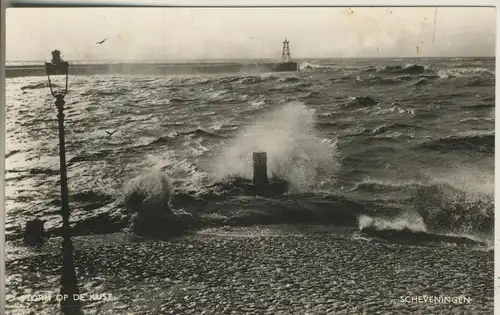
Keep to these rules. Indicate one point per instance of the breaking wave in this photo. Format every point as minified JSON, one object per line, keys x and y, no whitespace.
{"x":398,"y":69}
{"x":314,"y":66}
{"x":294,"y":150}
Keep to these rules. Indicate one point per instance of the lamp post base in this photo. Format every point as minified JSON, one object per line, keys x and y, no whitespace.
{"x":70,"y":303}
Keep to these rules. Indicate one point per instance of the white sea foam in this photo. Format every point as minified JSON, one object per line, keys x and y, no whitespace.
{"x":293,"y":149}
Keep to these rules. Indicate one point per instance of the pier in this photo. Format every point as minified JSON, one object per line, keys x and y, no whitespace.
{"x":152,"y":69}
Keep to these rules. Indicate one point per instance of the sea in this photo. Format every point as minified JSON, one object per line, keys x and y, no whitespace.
{"x":410,"y":140}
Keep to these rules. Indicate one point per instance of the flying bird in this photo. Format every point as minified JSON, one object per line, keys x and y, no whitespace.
{"x":110,"y":133}
{"x":102,"y":41}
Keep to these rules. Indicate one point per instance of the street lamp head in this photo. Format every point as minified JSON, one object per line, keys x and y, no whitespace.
{"x":56,"y":56}
{"x":57,"y":67}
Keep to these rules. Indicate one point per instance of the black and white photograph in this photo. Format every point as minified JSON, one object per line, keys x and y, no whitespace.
{"x":302,"y":161}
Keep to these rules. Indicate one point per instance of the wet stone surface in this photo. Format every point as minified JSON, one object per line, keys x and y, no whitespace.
{"x":255,"y":271}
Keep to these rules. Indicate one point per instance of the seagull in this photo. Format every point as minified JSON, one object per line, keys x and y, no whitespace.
{"x":102,"y":41}
{"x":110,"y":133}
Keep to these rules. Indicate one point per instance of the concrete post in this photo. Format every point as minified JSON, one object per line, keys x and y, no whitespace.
{"x":34,"y":233}
{"x":260,"y":171}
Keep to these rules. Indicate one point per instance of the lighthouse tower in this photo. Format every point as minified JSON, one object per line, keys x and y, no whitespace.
{"x":285,"y":55}
{"x":286,"y":63}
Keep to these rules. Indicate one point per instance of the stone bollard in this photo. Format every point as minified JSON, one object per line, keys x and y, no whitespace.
{"x":260,"y":180}
{"x":34,"y":233}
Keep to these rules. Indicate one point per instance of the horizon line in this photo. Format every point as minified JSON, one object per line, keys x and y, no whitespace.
{"x":249,"y":58}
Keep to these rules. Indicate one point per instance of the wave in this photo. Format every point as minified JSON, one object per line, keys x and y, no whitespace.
{"x":243,"y":79}
{"x":35,"y":171}
{"x":89,"y":157}
{"x":468,"y":76}
{"x":162,"y":140}
{"x":250,"y":80}
{"x":311,"y":66}
{"x":289,"y":79}
{"x":382,"y":80}
{"x":200,"y":133}
{"x":409,"y":236}
{"x":438,"y":207}
{"x":397,"y":74}
{"x":356,"y":161}
{"x":399,"y":111}
{"x":483,"y":143}
{"x":36,"y":86}
{"x":465,"y":72}
{"x":106,"y":92}
{"x":376,"y":186}
{"x":188,"y":81}
{"x":106,"y":154}
{"x":421,"y":82}
{"x":227,"y":79}
{"x":312,"y":95}
{"x":303,"y":86}
{"x":398,"y":69}
{"x":477,"y":120}
{"x":87,"y":200}
{"x":257,"y":104}
{"x":147,"y":192}
{"x":361,"y":101}
{"x":11,"y":153}
{"x":434,"y":208}
{"x":294,"y":150}
{"x":446,"y":208}
{"x":393,"y":127}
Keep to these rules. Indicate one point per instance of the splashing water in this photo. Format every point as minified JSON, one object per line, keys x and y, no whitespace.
{"x":466,"y":199}
{"x":294,"y":151}
{"x":477,"y":181}
{"x":148,"y":190}
{"x":409,"y":220}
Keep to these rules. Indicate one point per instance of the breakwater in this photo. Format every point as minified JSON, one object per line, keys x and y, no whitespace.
{"x":154,"y":68}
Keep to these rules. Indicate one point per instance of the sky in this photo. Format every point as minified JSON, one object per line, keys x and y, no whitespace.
{"x":239,"y":33}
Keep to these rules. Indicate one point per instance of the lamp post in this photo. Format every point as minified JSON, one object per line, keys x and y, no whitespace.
{"x":69,"y":287}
